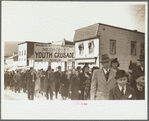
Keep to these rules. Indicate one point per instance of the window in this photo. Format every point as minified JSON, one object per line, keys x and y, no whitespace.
{"x":142,"y":49}
{"x":112,"y":47}
{"x":24,"y":52}
{"x":19,"y":53}
{"x":133,"y":47}
{"x":81,"y":49}
{"x":91,"y":47}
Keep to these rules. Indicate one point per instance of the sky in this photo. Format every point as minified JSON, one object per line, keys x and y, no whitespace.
{"x":52,"y":21}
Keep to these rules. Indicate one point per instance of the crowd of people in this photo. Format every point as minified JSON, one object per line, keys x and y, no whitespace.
{"x":108,"y":83}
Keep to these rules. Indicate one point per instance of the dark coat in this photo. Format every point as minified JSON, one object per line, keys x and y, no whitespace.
{"x":64,"y":85}
{"x":137,"y":72}
{"x":74,"y":88}
{"x":57,"y":80}
{"x":140,"y":95}
{"x":115,"y":94}
{"x":29,"y":79}
{"x":82,"y":81}
{"x":50,"y":81}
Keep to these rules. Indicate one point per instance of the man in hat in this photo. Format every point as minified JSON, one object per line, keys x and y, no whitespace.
{"x":58,"y":75}
{"x":138,"y":73}
{"x":49,"y":80}
{"x":122,"y":91}
{"x":17,"y":79}
{"x":103,"y":80}
{"x":31,"y":78}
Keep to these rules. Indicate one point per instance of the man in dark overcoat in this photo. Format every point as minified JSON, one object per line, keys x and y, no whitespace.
{"x":139,"y":72}
{"x":17,"y":79}
{"x":31,"y":78}
{"x":50,"y":83}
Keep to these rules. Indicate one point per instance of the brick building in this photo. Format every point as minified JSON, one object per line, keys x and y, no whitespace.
{"x":93,"y":41}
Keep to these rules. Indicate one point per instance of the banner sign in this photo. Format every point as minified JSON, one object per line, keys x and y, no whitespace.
{"x":50,"y":53}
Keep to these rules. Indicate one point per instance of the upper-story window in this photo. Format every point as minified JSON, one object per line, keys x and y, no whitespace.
{"x":91,"y":47}
{"x":19,"y":53}
{"x":24,"y":52}
{"x":113,"y":47}
{"x":142,"y":49}
{"x":81,"y":48}
{"x":133,"y":47}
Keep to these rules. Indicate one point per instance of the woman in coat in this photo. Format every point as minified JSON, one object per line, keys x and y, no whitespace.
{"x":64,"y":85}
{"x":115,"y":64}
{"x":74,"y":86}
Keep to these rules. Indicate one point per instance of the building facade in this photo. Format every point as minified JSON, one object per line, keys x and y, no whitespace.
{"x":25,"y":51}
{"x":93,"y":41}
{"x":65,"y":63}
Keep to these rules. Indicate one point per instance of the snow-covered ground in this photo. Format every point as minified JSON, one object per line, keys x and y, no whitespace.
{"x":9,"y":95}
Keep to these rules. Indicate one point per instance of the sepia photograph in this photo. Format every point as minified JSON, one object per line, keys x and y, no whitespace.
{"x":61,"y":59}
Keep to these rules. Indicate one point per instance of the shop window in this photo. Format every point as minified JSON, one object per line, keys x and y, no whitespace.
{"x":133,"y":48}
{"x":91,"y":47}
{"x":81,"y":49}
{"x":142,"y":49}
{"x":113,"y":47}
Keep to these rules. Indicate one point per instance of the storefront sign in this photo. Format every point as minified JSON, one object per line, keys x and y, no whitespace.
{"x":51,"y":53}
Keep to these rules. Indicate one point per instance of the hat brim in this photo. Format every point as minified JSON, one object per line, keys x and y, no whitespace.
{"x":104,"y":61}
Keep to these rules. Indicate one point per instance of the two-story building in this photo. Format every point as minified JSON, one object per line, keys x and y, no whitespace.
{"x":93,"y":41}
{"x":25,"y":51}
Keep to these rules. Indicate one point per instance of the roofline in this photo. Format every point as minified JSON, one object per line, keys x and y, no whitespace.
{"x":86,"y":39}
{"x":12,"y":56}
{"x":30,"y":42}
{"x":68,"y":41}
{"x":121,"y":28}
{"x":85,"y":26}
{"x":113,"y":27}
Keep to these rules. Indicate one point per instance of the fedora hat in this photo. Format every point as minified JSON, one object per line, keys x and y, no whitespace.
{"x":105,"y":58}
{"x":141,"y":58}
{"x":121,"y":74}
